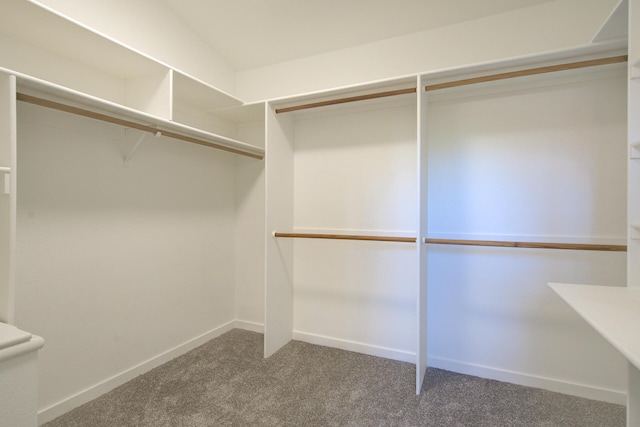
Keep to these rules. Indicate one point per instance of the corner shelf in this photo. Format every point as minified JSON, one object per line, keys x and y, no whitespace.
{"x":613,"y":311}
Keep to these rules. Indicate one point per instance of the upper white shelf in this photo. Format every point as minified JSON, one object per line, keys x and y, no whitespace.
{"x":612,"y":311}
{"x":25,"y":22}
{"x":200,"y":94}
{"x":247,"y":113}
{"x":83,"y":68}
{"x":343,"y":97}
{"x":616,"y":25}
{"x":71,"y":98}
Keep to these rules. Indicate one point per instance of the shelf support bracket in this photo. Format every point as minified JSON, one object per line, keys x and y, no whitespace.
{"x":137,"y":145}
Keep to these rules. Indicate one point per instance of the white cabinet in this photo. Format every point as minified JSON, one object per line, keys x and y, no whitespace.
{"x":18,"y":376}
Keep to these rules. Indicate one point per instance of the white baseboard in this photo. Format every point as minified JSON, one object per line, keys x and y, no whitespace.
{"x":90,"y":393}
{"x":574,"y":389}
{"x":358,"y":347}
{"x":249,"y":326}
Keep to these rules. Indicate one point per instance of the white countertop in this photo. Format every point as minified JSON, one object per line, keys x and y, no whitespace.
{"x":611,"y":310}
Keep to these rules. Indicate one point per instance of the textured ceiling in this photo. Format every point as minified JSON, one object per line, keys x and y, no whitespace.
{"x":254,"y":33}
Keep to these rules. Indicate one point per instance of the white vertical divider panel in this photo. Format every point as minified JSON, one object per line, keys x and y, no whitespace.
{"x":422,"y":292}
{"x":633,"y":195}
{"x":278,"y":322}
{"x":7,"y":201}
{"x":151,"y":93}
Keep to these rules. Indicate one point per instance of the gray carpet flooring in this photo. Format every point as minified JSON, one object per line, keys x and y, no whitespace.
{"x":227,"y":382}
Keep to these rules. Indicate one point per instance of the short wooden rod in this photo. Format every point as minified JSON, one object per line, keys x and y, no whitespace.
{"x":345,"y":100}
{"x":529,"y":72}
{"x":346,"y":237}
{"x":534,"y":245}
{"x":127,"y":123}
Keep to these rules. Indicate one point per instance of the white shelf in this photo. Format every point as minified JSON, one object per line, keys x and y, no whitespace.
{"x":247,"y":113}
{"x":202,"y":95}
{"x":616,"y":25}
{"x":76,"y":57}
{"x":70,"y":97}
{"x":93,"y":71}
{"x":33,"y":25}
{"x":612,"y":311}
{"x":634,"y":151}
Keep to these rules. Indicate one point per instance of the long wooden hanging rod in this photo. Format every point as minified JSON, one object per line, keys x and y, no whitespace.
{"x":534,"y":245}
{"x":345,"y":100}
{"x":529,"y":72}
{"x":127,"y":123}
{"x":346,"y":237}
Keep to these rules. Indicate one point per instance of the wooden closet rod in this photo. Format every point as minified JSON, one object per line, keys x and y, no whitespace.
{"x":535,"y":245}
{"x":122,"y":122}
{"x":345,"y":100}
{"x":529,"y":72}
{"x":346,"y":237}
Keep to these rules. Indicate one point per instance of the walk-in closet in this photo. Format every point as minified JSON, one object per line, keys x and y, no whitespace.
{"x":471,"y":210}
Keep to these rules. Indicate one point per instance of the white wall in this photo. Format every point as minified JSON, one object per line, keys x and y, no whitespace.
{"x":151,"y":27}
{"x":117,"y":264}
{"x":541,"y":159}
{"x":355,"y":173}
{"x":548,"y":27}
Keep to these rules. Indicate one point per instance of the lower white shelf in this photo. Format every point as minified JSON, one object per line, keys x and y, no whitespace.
{"x":611,"y":310}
